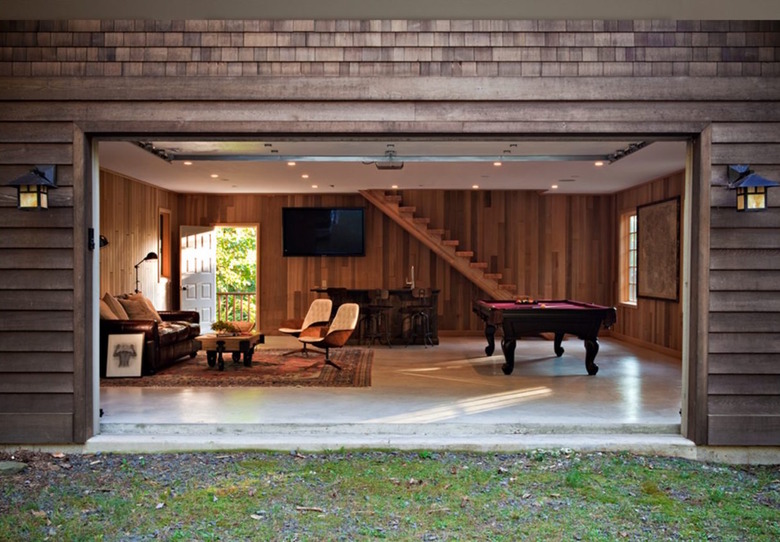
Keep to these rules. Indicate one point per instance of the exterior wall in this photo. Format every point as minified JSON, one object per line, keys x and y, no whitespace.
{"x":744,"y":330}
{"x":60,"y":80}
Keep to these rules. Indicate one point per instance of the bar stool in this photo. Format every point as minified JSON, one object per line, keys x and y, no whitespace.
{"x":418,"y":312}
{"x":376,"y":321}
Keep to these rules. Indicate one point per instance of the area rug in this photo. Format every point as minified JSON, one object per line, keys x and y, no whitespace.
{"x":269,"y":368}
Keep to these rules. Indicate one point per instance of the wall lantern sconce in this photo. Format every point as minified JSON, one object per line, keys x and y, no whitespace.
{"x":33,"y":188}
{"x":150,"y":256}
{"x":751,"y":188}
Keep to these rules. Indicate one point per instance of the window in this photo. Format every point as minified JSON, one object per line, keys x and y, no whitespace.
{"x":628,"y":258}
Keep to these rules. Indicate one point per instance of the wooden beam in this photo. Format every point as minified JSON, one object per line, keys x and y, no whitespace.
{"x":218,"y":88}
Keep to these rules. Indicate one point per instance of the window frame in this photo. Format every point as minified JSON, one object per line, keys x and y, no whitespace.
{"x":628,"y":231}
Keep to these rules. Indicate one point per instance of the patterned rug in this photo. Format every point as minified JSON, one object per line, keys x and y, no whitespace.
{"x":269,"y":368}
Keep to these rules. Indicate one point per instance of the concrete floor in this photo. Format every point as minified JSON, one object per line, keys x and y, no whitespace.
{"x":448,"y":395}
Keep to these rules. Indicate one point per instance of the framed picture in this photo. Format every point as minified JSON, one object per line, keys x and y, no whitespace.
{"x":124,"y":355}
{"x":658,"y":250}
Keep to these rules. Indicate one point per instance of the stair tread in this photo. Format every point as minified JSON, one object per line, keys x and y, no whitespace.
{"x":479,"y":265}
{"x":407,"y":209}
{"x":451,"y":242}
{"x":494,"y":276}
{"x":464,"y":253}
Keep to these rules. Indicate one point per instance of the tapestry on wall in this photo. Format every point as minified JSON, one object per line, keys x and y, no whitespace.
{"x":269,"y":368}
{"x":658,"y":250}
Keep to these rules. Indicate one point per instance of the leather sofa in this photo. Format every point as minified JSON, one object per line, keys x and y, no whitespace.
{"x":166,"y":341}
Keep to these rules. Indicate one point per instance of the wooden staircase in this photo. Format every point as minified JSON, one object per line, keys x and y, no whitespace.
{"x":447,"y":249}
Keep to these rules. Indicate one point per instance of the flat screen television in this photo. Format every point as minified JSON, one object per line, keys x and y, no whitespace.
{"x":323,"y":231}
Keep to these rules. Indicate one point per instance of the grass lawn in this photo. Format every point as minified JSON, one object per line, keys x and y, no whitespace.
{"x":427,"y":496}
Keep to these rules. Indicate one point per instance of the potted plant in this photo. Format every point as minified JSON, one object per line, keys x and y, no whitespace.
{"x":221,"y":327}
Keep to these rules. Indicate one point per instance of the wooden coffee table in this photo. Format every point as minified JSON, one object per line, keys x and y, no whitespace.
{"x":216,"y":345}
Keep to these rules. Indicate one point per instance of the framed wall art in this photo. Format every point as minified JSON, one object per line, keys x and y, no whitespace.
{"x":658,"y":248}
{"x":124,"y":354}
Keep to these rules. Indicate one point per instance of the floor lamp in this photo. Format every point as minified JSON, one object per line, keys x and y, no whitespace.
{"x":150,"y":256}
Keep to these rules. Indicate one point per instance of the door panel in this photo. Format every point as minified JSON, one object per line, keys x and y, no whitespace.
{"x":199,"y":272}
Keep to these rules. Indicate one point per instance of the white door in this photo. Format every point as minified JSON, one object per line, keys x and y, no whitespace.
{"x":199,"y":272}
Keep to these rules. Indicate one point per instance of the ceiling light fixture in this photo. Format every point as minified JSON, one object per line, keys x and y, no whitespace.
{"x":214,"y":176}
{"x":187,"y":163}
{"x":305,"y":176}
{"x":598,"y":163}
{"x":390,"y":161}
{"x":290,"y":163}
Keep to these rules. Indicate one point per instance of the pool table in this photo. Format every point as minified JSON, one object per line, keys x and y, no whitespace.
{"x":519,"y":318}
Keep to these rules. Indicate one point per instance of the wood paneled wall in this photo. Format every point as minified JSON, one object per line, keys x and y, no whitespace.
{"x":129,"y":218}
{"x":652,"y":323}
{"x":744,"y":327}
{"x":38,"y":377}
{"x":551,"y":246}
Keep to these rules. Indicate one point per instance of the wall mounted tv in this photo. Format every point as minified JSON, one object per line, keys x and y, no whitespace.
{"x":323,"y":231}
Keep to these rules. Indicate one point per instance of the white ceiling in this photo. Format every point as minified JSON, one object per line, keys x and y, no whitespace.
{"x":339,"y":166}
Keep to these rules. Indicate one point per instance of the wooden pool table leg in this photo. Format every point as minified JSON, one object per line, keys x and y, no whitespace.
{"x":490,"y":334}
{"x":508,"y":347}
{"x":591,"y":349}
{"x":557,"y":348}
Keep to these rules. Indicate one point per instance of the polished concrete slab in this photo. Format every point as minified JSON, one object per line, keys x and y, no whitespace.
{"x":451,"y":391}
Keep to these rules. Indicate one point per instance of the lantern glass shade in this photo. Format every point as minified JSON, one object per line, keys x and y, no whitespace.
{"x":751,"y":198}
{"x":33,"y":196}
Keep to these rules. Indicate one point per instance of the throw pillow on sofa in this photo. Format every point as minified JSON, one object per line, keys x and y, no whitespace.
{"x":139,"y":308}
{"x":116,"y":307}
{"x":106,"y":313}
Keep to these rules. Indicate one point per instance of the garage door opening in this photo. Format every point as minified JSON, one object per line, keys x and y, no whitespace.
{"x":542,"y":214}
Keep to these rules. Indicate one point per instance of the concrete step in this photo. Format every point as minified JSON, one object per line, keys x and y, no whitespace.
{"x":370,"y":428}
{"x":148,"y":438}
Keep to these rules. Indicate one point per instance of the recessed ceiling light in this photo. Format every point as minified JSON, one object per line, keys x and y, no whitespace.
{"x":554,"y":187}
{"x":305,"y":176}
{"x":187,"y":163}
{"x":394,"y":186}
{"x":314,"y":186}
{"x":474,"y":186}
{"x":496,"y":164}
{"x":214,"y":176}
{"x":290,"y":163}
{"x":599,"y":163}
